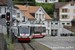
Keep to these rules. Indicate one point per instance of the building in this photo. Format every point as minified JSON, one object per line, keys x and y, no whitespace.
{"x":64,"y":13}
{"x":3,"y":11}
{"x":46,"y":1}
{"x":34,"y":14}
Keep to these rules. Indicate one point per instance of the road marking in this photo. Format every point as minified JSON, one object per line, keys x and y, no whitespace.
{"x":72,"y":40}
{"x":63,"y":40}
{"x":67,"y":40}
{"x":58,"y":39}
{"x":49,"y":39}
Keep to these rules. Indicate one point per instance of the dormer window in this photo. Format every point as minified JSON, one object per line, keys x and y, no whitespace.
{"x":72,"y":4}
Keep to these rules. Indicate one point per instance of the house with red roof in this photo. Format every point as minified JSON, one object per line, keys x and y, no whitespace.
{"x":34,"y":14}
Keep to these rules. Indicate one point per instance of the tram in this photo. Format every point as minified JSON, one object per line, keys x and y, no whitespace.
{"x":39,"y":30}
{"x":26,"y":31}
{"x":23,"y":32}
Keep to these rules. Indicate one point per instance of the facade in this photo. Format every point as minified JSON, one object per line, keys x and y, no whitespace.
{"x":46,"y":1}
{"x":57,"y":29}
{"x":3,"y":11}
{"x":64,"y":13}
{"x":34,"y":14}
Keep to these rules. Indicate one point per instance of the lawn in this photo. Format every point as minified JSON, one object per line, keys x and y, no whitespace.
{"x":11,"y":46}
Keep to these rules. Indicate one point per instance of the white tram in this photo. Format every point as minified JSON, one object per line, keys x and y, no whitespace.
{"x":26,"y":31}
{"x":39,"y":30}
{"x":22,"y":31}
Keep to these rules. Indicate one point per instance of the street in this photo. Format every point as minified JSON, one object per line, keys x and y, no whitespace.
{"x":58,"y":43}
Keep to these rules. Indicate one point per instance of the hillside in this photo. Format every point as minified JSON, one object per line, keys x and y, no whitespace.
{"x":48,"y":7}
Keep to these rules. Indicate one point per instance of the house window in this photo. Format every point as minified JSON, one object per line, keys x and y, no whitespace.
{"x":63,"y":23}
{"x":18,"y":15}
{"x":72,"y":4}
{"x":5,"y":10}
{"x":23,"y":19}
{"x":64,"y":10}
{"x":56,"y":23}
{"x":48,"y":23}
{"x":64,"y":16}
{"x":42,"y":16}
{"x":51,"y":23}
{"x":74,"y":10}
{"x":0,"y":9}
{"x":39,"y":10}
{"x":36,"y":15}
{"x":68,"y":23}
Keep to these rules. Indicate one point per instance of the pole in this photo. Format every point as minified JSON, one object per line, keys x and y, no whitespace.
{"x":11,"y":20}
{"x":8,"y":30}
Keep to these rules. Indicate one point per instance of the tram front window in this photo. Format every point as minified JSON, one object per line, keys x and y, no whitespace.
{"x":24,"y":29}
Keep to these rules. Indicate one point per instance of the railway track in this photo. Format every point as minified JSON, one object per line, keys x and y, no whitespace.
{"x":27,"y":46}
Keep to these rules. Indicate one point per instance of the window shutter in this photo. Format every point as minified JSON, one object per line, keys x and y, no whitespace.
{"x":60,"y":10}
{"x":68,"y":17}
{"x":73,"y":17}
{"x":68,"y":10}
{"x":74,"y":10}
{"x":60,"y":16}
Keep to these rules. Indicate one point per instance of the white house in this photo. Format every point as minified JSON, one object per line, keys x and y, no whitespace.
{"x":64,"y":13}
{"x":34,"y":14}
{"x":46,"y":1}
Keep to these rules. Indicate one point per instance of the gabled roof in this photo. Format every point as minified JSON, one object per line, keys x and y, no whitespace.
{"x":27,"y":10}
{"x":59,"y":4}
{"x":33,"y":9}
{"x":28,"y":15}
{"x":30,"y":9}
{"x":3,"y":2}
{"x":67,"y":3}
{"x":47,"y":17}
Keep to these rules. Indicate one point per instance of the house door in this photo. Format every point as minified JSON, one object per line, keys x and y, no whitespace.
{"x":54,"y":32}
{"x":45,"y":0}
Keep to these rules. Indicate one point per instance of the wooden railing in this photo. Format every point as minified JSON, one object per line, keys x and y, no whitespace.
{"x":71,"y":28}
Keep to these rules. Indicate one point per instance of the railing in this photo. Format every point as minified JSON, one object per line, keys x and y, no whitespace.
{"x":71,"y":28}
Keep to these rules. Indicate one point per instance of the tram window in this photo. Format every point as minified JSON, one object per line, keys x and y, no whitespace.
{"x":24,"y":29}
{"x":43,"y":29}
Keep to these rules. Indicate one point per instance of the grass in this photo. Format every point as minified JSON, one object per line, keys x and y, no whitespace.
{"x":46,"y":48}
{"x":11,"y":46}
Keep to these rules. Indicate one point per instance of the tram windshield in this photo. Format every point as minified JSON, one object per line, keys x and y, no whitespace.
{"x":24,"y":29}
{"x":38,"y":29}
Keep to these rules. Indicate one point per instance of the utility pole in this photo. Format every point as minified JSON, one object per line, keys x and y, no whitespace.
{"x":7,"y":29}
{"x":11,"y":20}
